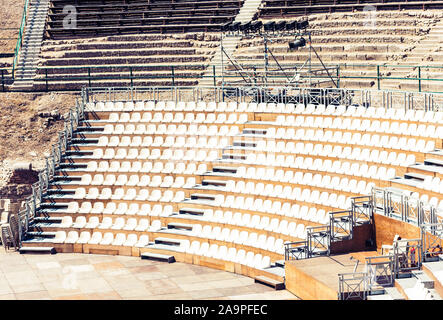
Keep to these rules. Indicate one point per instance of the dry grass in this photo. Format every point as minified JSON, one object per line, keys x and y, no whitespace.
{"x":10,"y":17}
{"x":24,"y":135}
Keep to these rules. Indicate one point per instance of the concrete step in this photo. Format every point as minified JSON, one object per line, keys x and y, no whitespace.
{"x":416,"y":176}
{"x":167,"y":241}
{"x":37,"y":250}
{"x":157,"y":257}
{"x":277,"y":285}
{"x":219,"y":169}
{"x":192,"y":211}
{"x":217,"y":183}
{"x":202,"y":196}
{"x":180,"y":226}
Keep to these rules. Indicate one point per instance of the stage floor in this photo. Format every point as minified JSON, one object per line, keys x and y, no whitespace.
{"x":92,"y":276}
{"x":323,"y":271}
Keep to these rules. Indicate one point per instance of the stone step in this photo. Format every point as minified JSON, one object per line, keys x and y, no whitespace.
{"x":42,"y":234}
{"x":246,"y":144}
{"x":157,"y":257}
{"x":191,"y":211}
{"x":415,"y":176}
{"x":254,"y":131}
{"x":277,"y":285}
{"x":180,"y":226}
{"x":202,"y":196}
{"x":434,"y":162}
{"x":37,"y":250}
{"x":219,"y":169}
{"x":217,"y":183}
{"x":167,"y":241}
{"x":47,"y":220}
{"x":233,"y":156}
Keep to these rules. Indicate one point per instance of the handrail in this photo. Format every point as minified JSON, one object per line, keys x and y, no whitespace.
{"x":48,"y":75}
{"x":39,"y":188}
{"x":20,"y":36}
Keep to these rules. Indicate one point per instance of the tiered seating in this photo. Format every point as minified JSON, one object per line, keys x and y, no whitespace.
{"x":226,"y":181}
{"x":285,"y":8}
{"x":356,"y":43}
{"x":122,"y":60}
{"x":98,"y":18}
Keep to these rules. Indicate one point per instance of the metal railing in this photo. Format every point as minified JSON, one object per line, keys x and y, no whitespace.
{"x":296,"y":250}
{"x":407,"y":255}
{"x":360,"y":97}
{"x":76,"y":77}
{"x":19,"y":39}
{"x":39,"y":189}
{"x":352,"y":286}
{"x":401,"y":206}
{"x":380,"y":270}
{"x":341,"y":225}
{"x":432,"y":241}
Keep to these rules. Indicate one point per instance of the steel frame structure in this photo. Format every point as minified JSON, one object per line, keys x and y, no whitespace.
{"x":432,"y":238}
{"x":303,"y":74}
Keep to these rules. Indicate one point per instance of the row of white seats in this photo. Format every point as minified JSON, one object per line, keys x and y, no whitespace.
{"x":265,"y":223}
{"x":317,"y":180}
{"x":365,"y":125}
{"x":167,"y":106}
{"x":308,"y":179}
{"x":227,"y":217}
{"x":177,"y":117}
{"x":168,"y":142}
{"x":257,"y":261}
{"x":171,"y":129}
{"x":427,"y":201}
{"x":434,"y":184}
{"x":347,"y":138}
{"x":147,"y":167}
{"x":119,"y":224}
{"x":135,"y":180}
{"x":340,"y":167}
{"x":256,"y":204}
{"x":319,"y":109}
{"x":85,"y":237}
{"x":240,"y":237}
{"x":122,"y":208}
{"x":153,"y":154}
{"x":290,"y":210}
{"x":120,"y":239}
{"x":347,"y":153}
{"x":200,"y":106}
{"x":130,"y":193}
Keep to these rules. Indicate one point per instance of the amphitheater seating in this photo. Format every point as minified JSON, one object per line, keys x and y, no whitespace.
{"x":122,"y":60}
{"x":285,"y":8}
{"x":214,"y":180}
{"x":117,"y":17}
{"x":356,"y":42}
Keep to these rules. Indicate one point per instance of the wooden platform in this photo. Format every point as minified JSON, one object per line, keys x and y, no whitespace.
{"x":317,"y":278}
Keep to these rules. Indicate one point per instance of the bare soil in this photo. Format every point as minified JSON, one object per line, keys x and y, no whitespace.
{"x":29,"y":126}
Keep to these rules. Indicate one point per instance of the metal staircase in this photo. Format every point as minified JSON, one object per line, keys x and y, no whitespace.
{"x":246,"y":14}
{"x":341,"y":227}
{"x":30,"y":50}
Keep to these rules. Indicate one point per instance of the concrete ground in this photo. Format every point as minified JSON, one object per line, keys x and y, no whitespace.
{"x":104,"y":277}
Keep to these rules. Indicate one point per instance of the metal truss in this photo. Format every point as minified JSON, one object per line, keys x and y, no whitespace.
{"x":319,"y":240}
{"x":380,"y":270}
{"x":352,"y":286}
{"x":296,"y":250}
{"x":341,"y":225}
{"x":407,"y":255}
